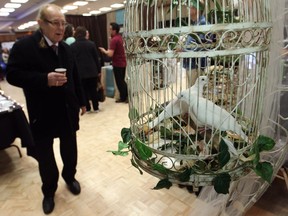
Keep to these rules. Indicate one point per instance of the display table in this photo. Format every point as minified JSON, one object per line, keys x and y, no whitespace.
{"x":13,"y":124}
{"x":108,"y":81}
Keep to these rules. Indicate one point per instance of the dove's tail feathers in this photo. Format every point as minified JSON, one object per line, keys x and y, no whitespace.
{"x":171,"y":110}
{"x":156,"y":121}
{"x":240,"y":132}
{"x":244,"y":136}
{"x":159,"y":119}
{"x":231,"y":147}
{"x":232,"y":125}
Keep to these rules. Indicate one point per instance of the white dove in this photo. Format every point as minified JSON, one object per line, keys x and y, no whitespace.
{"x":178,"y":106}
{"x":205,"y":113}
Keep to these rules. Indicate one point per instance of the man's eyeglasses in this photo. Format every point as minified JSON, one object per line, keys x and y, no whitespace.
{"x":56,"y":23}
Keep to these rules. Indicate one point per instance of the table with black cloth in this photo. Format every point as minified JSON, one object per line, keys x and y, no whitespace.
{"x":13,"y":124}
{"x":108,"y":82}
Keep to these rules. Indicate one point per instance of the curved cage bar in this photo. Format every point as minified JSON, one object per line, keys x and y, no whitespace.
{"x":196,"y":75}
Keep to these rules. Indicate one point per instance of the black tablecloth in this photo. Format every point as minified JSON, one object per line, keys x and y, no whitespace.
{"x":14,"y":124}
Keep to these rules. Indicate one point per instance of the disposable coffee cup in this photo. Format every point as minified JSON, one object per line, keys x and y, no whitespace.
{"x":61,"y":70}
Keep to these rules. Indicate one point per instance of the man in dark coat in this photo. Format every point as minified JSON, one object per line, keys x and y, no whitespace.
{"x":53,"y":99}
{"x":88,"y":66}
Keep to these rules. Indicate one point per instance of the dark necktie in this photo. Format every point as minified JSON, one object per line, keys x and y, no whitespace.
{"x":55,"y":48}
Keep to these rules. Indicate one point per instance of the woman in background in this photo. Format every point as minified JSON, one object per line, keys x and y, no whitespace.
{"x":68,"y":34}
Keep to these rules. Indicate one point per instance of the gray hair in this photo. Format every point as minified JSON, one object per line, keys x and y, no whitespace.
{"x":42,"y":13}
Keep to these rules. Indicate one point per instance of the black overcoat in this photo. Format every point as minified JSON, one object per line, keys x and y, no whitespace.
{"x":50,"y":109}
{"x":87,"y":58}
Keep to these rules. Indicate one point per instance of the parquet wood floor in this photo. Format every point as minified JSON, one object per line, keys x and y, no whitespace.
{"x":110,"y":185}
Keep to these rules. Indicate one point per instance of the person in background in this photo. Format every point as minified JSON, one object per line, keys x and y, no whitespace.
{"x":88,"y":66}
{"x":53,"y":99}
{"x":116,"y":51}
{"x":194,"y":65}
{"x":1,"y":74}
{"x":5,"y":57}
{"x":87,"y":35}
{"x":2,"y":65}
{"x":69,"y":34}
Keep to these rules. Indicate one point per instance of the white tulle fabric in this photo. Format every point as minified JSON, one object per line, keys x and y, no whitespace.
{"x":247,"y":190}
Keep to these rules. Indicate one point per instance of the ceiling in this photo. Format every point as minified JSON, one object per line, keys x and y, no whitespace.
{"x":28,"y":12}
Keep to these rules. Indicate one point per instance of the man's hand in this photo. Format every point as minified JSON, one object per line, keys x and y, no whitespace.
{"x":108,"y":52}
{"x":56,"y":79}
{"x":102,"y":50}
{"x":83,"y":110}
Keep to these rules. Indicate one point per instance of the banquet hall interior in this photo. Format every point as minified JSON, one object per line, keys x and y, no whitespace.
{"x":111,"y":186}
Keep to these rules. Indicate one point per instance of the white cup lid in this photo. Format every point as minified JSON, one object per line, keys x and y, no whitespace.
{"x":61,"y":70}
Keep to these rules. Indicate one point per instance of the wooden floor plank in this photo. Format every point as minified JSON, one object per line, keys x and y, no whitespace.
{"x":110,"y":185}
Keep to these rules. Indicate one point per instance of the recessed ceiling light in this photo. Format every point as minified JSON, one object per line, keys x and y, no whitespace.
{"x":32,"y":23}
{"x":19,"y":1}
{"x":117,"y":5}
{"x":105,"y":9}
{"x":9,"y":10}
{"x":27,"y":25}
{"x":21,"y":27}
{"x":86,"y":14}
{"x":80,"y":3}
{"x":4,"y":14}
{"x":70,"y":7}
{"x":95,"y":12}
{"x":12,"y":5}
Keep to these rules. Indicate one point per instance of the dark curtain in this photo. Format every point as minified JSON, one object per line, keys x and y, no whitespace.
{"x":96,"y":25}
{"x":150,"y":17}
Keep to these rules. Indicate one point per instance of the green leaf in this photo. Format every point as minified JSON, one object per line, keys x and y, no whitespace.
{"x":185,"y":176}
{"x":144,"y":152}
{"x":120,"y":153}
{"x":222,"y":183}
{"x":264,"y":170}
{"x":164,"y":132}
{"x":126,"y":134}
{"x":168,"y":135}
{"x":265,"y":143}
{"x":122,"y":145}
{"x":200,"y":166}
{"x":256,"y":158}
{"x":164,"y":183}
{"x":160,"y":168}
{"x":262,"y":143}
{"x":136,"y":166}
{"x":224,"y":155}
{"x":133,"y":114}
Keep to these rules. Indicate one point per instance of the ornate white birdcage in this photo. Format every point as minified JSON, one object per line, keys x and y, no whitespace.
{"x":196,"y":73}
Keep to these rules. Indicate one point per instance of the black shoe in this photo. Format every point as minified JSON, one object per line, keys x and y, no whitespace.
{"x":48,"y":204}
{"x":121,"y":101}
{"x":74,"y":187}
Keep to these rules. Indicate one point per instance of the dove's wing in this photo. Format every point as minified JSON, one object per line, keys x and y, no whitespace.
{"x":180,"y":104}
{"x":174,"y":108}
{"x":213,"y":116}
{"x":230,"y":146}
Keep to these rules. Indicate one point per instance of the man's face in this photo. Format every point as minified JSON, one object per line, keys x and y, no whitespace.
{"x":193,"y":11}
{"x":53,"y":25}
{"x":112,"y":32}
